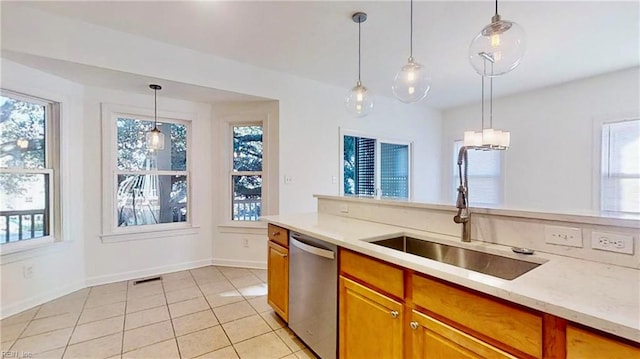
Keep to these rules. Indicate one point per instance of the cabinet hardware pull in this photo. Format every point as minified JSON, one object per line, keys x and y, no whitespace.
{"x":394,"y":314}
{"x":283,"y":255}
{"x":275,"y":234}
{"x":414,"y":325}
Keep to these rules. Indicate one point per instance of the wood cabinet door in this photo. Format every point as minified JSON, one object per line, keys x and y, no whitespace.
{"x":582,"y":344}
{"x":278,"y":279}
{"x":370,"y":323}
{"x":432,"y":339}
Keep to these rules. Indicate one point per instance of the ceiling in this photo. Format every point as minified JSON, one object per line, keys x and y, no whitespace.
{"x":318,"y":40}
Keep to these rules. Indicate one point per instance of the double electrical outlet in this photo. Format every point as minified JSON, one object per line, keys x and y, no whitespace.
{"x":572,"y":237}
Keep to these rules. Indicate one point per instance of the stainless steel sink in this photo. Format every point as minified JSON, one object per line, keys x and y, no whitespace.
{"x":491,"y":264}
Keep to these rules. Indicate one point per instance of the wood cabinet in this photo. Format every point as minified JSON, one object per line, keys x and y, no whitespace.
{"x":433,"y":339}
{"x":584,"y":344}
{"x":370,"y":323}
{"x":278,"y":271}
{"x":498,"y":321}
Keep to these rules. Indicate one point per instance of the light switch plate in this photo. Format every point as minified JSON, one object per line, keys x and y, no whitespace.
{"x":564,"y":236}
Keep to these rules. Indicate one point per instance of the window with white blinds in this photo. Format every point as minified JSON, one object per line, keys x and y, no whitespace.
{"x":373,"y":166}
{"x":484,"y":175}
{"x":620,"y":167}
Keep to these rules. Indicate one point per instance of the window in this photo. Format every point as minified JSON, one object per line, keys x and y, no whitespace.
{"x":246,"y":174}
{"x":484,"y":175}
{"x":620,"y":167}
{"x":27,"y":165}
{"x":373,"y":166}
{"x":144,"y":190}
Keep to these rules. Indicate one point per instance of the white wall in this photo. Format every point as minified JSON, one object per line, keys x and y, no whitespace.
{"x":58,"y":268}
{"x":310,"y":114}
{"x":554,"y":139}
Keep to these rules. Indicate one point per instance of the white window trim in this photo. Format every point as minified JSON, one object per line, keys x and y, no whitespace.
{"x":453,"y":192}
{"x":259,"y":118}
{"x":379,"y":139}
{"x":110,"y":231}
{"x":53,"y":118}
{"x":596,"y":140}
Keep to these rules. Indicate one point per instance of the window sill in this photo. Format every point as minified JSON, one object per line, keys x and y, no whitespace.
{"x":16,"y":251}
{"x":149,"y":234}
{"x":243,"y":227}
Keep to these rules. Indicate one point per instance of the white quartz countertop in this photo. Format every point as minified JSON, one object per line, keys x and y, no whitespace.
{"x":601,"y":296}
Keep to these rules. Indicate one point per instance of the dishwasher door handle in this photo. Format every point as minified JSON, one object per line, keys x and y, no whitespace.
{"x":313,"y":250}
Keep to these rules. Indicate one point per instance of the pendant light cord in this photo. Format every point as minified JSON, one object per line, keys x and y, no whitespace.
{"x":496,"y":7}
{"x":491,"y":101}
{"x":359,"y":40}
{"x":411,"y":33}
{"x":155,"y":108}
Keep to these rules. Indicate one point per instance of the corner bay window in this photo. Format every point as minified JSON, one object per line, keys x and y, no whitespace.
{"x":26,"y":167}
{"x":246,"y":175}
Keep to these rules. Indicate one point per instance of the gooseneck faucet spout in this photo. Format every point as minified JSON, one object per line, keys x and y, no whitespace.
{"x":462,"y":202}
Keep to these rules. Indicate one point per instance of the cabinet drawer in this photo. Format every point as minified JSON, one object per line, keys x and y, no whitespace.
{"x":517,"y":328}
{"x":585,"y":345}
{"x":376,"y":273}
{"x":278,"y":234}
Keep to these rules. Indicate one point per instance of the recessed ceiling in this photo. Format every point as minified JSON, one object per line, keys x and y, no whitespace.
{"x":566,"y":40}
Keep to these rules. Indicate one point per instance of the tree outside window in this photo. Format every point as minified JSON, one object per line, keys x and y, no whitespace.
{"x":26,"y":171}
{"x":246,"y":177}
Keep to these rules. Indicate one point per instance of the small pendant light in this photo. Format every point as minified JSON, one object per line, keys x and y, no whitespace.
{"x":488,"y":138}
{"x":155,"y":137}
{"x":359,"y":101}
{"x":503,"y":41}
{"x":411,"y":83}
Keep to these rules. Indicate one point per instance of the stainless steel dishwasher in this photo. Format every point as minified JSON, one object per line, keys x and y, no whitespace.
{"x":313,"y":293}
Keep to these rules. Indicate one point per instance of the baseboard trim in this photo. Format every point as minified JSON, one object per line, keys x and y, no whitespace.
{"x":29,"y":303}
{"x":239,"y":263}
{"x":111,"y":278}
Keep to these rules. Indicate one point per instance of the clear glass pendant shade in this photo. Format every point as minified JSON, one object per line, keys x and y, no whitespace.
{"x":359,"y":101}
{"x":411,"y":83}
{"x":498,"y":48}
{"x":155,"y":140}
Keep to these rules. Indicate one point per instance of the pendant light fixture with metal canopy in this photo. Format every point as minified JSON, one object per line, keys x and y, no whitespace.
{"x":155,"y":137}
{"x":359,"y":101}
{"x":412,"y":82}
{"x":488,"y":138}
{"x":503,"y":41}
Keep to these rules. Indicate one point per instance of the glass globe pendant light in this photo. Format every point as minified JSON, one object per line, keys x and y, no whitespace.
{"x":359,"y":101}
{"x":411,"y":83}
{"x":155,"y":137}
{"x":503,"y":41}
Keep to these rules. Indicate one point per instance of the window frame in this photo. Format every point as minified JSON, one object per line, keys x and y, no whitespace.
{"x":454,"y":178}
{"x":377,"y":169}
{"x":110,"y":230}
{"x":599,"y":162}
{"x":233,"y":173}
{"x":236,"y":114}
{"x":51,"y":167}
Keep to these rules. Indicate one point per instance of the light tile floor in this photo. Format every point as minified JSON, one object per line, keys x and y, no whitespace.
{"x":209,"y":312}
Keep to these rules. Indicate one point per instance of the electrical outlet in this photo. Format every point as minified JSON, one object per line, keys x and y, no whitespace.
{"x":564,"y":236}
{"x":612,"y":242}
{"x":344,"y":208}
{"x":334,"y":179}
{"x":245,"y":242}
{"x":288,"y":179}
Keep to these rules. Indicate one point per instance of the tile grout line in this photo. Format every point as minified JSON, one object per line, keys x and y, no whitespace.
{"x":173,"y":329}
{"x":77,"y":320}
{"x":214,"y":313}
{"x":25,"y":328}
{"x":124,"y":318}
